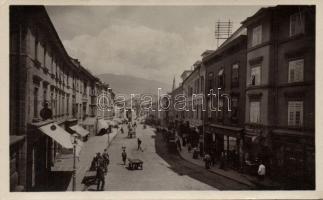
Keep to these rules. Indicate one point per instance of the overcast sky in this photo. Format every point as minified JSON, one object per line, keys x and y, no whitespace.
{"x":152,"y":42}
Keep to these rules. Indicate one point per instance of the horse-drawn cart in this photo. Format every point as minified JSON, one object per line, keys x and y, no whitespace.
{"x":135,"y":164}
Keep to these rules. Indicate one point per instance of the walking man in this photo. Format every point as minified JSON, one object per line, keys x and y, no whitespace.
{"x":100,"y":172}
{"x":124,"y":156}
{"x":139,"y":144}
{"x":106,"y":160}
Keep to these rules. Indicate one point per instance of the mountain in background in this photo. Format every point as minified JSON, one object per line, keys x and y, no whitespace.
{"x":125,"y":84}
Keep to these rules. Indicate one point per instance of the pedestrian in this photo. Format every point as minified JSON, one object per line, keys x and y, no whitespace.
{"x":124,"y":156}
{"x":189,"y":147}
{"x":222,"y":160}
{"x":178,"y":142}
{"x":100,"y":174}
{"x":207,"y":160}
{"x":261,"y":171}
{"x":121,"y":129}
{"x":139,"y":144}
{"x":106,"y":159}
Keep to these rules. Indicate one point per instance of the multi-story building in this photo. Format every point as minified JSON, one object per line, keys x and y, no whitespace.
{"x":280,"y":93}
{"x":50,"y":96}
{"x":176,"y":115}
{"x":224,"y":116}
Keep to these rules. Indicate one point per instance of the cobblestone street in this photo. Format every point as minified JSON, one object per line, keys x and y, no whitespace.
{"x":156,"y":173}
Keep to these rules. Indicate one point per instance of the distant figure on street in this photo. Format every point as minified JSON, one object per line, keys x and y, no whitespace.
{"x":178,"y":143}
{"x":121,"y":129}
{"x":106,"y":159}
{"x":261,"y":171}
{"x":124,"y":156}
{"x":207,"y":160}
{"x":222,"y":160}
{"x":139,"y":145}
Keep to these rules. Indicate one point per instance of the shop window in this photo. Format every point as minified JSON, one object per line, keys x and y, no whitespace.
{"x":221,"y":78}
{"x":232,"y":141}
{"x":235,"y":76}
{"x":297,"y":24}
{"x":295,"y":113}
{"x":254,"y":111}
{"x":256,"y":35}
{"x":296,"y":70}
{"x":255,"y":75}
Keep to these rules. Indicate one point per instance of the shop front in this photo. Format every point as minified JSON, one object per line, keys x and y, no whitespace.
{"x":17,"y":162}
{"x":294,"y":159}
{"x":41,"y":140}
{"x":256,"y":148}
{"x":224,"y":143}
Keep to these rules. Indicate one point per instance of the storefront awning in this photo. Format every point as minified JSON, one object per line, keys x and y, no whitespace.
{"x":89,"y":121}
{"x":58,"y":134}
{"x":80,"y":130}
{"x":102,"y":124}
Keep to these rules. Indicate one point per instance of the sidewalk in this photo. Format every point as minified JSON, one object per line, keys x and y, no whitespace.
{"x":231,"y":174}
{"x":90,"y":148}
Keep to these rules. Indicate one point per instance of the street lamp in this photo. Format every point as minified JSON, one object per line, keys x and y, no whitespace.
{"x":74,"y":159}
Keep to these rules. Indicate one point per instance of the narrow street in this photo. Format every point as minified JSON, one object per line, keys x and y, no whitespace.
{"x":161,"y":170}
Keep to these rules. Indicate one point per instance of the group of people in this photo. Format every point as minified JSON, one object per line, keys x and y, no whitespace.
{"x":100,"y":165}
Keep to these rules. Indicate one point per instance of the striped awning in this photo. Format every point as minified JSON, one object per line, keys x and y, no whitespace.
{"x":80,"y":130}
{"x":58,"y":134}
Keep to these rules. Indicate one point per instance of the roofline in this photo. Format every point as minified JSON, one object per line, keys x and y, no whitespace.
{"x":221,"y":49}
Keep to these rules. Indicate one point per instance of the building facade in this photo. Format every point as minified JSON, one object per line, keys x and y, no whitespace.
{"x":280,"y":93}
{"x":51,"y":95}
{"x":224,"y":123}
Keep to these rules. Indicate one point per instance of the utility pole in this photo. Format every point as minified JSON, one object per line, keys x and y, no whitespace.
{"x":222,"y":31}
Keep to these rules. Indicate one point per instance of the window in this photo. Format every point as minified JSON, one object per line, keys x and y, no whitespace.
{"x":45,"y":95}
{"x":296,"y":24}
{"x":295,"y":113}
{"x":254,"y":112}
{"x":35,"y":102}
{"x":67,"y":105}
{"x":235,"y":75}
{"x":36,"y":47}
{"x":202,"y":84}
{"x":220,"y":110}
{"x":255,"y":75}
{"x":296,"y":73}
{"x":210,"y":81}
{"x":234,"y":108}
{"x":44,"y":59}
{"x":221,"y":78}
{"x":256,"y":35}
